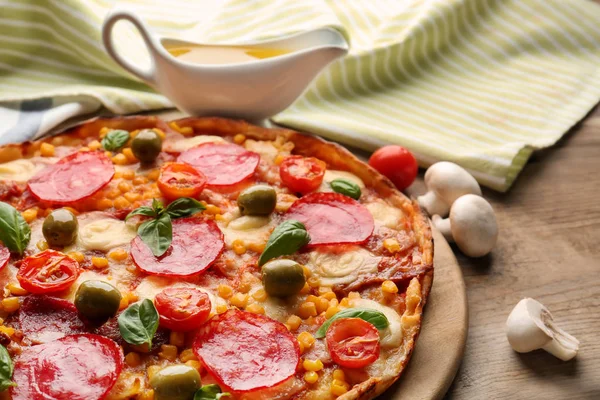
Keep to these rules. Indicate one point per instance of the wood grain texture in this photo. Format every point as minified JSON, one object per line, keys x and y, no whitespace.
{"x":548,"y":249}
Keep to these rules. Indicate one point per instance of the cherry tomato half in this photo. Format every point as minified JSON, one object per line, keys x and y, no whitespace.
{"x":353,"y":342}
{"x":180,"y":180}
{"x":4,"y":256}
{"x":182,"y":308}
{"x":397,"y":164}
{"x":302,"y":174}
{"x":48,"y":271}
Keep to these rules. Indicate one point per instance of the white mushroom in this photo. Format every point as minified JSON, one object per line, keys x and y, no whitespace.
{"x":445,"y":183}
{"x":472,"y":225}
{"x":530,"y":327}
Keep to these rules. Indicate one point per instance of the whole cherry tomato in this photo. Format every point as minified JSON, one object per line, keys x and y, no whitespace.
{"x":47,"y":272}
{"x":182,"y":308}
{"x":180,"y":180}
{"x":353,"y":342}
{"x":397,"y":164}
{"x":302,"y":174}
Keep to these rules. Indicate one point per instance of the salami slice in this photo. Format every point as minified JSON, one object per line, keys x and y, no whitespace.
{"x":44,"y":319}
{"x":246,"y":352}
{"x":196,"y":245}
{"x":76,"y":367}
{"x":332,"y":218}
{"x":4,"y":256}
{"x":73,"y":177}
{"x":223,"y":164}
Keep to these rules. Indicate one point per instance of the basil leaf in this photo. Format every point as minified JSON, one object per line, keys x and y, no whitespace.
{"x":14,"y":231}
{"x":286,"y":239}
{"x":144,"y":210}
{"x":184,"y":207}
{"x":346,"y":188}
{"x":6,"y":370}
{"x":157,"y":234}
{"x":210,"y":392}
{"x":377,"y":318}
{"x":138,"y":323}
{"x":114,"y":140}
{"x":158,"y":206}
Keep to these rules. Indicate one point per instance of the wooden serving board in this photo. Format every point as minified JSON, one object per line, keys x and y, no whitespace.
{"x":443,"y":336}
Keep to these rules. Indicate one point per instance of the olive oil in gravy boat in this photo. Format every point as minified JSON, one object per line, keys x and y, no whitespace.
{"x":252,"y":89}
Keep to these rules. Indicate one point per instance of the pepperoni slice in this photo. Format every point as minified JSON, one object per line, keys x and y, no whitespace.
{"x":76,"y":367}
{"x":246,"y":352}
{"x":72,"y":178}
{"x":196,"y":245}
{"x":4,"y":256}
{"x":332,"y":218}
{"x":44,"y":319}
{"x":223,"y":164}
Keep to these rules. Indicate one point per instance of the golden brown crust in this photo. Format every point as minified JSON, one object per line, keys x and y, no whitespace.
{"x":337,"y":157}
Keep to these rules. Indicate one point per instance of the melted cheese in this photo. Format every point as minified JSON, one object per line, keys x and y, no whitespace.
{"x":342,"y":268}
{"x":248,"y":229}
{"x":105,"y":234}
{"x":331,"y":175}
{"x":384,"y":214}
{"x":19,"y":170}
{"x":150,"y":286}
{"x":182,"y":145}
{"x":266,"y":149}
{"x":391,"y":337}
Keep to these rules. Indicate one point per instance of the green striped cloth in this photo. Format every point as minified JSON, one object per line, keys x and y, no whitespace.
{"x":482,"y":83}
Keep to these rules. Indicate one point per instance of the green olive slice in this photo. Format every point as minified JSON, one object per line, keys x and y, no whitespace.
{"x":283,"y":278}
{"x":60,"y":228}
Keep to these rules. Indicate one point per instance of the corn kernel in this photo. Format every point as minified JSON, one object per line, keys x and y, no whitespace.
{"x":140,"y":180}
{"x":128,"y":153}
{"x":321,"y":303}
{"x":103,"y":132}
{"x":108,"y":154}
{"x":293,"y":322}
{"x":354,"y":295}
{"x":42,"y":245}
{"x":15,"y":289}
{"x":177,"y":339}
{"x":239,"y":300}
{"x":279,"y":159}
{"x":104,"y":204}
{"x":187,"y":355}
{"x":306,"y":339}
{"x":154,"y":174}
{"x":324,"y":289}
{"x":338,"y":388}
{"x":124,"y":186}
{"x":168,"y":352}
{"x":254,"y":246}
{"x":194,"y":364}
{"x":225,"y":291}
{"x":389,"y":287}
{"x":121,"y":203}
{"x":238,"y":247}
{"x":185,"y":130}
{"x":47,"y":150}
{"x":345,"y":302}
{"x":260,"y":295}
{"x":113,"y":193}
{"x":30,"y":214}
{"x":132,"y":197}
{"x":128,"y":174}
{"x":99,"y":262}
{"x":160,"y":133}
{"x":391,"y":245}
{"x":8,"y":331}
{"x":329,"y":296}
{"x":331,"y":311}
{"x":58,"y":140}
{"x":221,"y":308}
{"x":119,"y":159}
{"x":83,"y":149}
{"x":77,"y":256}
{"x":307,"y":309}
{"x":307,"y":271}
{"x":133,"y":359}
{"x":94,"y":145}
{"x":153,"y":369}
{"x":305,"y":289}
{"x":311,"y":377}
{"x":10,"y":304}
{"x":255,"y":308}
{"x":211,"y":209}
{"x":118,"y":254}
{"x":239,"y":138}
{"x":313,"y":281}
{"x":339,"y":375}
{"x":312,"y":365}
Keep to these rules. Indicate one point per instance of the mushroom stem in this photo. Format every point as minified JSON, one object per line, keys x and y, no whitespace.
{"x":563,"y":345}
{"x":443,"y":225}
{"x":433,"y":204}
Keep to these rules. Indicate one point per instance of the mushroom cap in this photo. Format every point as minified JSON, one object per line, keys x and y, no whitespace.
{"x":450,"y":181}
{"x":474,"y":226}
{"x":525,"y":328}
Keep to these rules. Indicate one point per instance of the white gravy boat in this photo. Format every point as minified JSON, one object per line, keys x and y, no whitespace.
{"x":252,"y":90}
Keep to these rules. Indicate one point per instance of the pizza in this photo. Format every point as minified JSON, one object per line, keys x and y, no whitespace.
{"x":204,"y":258}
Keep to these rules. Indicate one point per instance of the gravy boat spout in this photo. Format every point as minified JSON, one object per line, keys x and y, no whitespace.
{"x":252,"y":89}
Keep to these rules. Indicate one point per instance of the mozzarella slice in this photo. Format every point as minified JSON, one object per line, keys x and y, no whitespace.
{"x":331,"y":175}
{"x":181,"y":145}
{"x":19,"y":170}
{"x":105,"y":234}
{"x":392,"y":335}
{"x":384,"y":214}
{"x":342,"y":268}
{"x":248,"y":229}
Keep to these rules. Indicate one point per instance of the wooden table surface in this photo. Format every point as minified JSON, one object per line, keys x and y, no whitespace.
{"x":548,"y":249}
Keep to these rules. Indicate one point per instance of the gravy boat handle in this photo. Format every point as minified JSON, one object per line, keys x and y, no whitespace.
{"x":147,"y":75}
